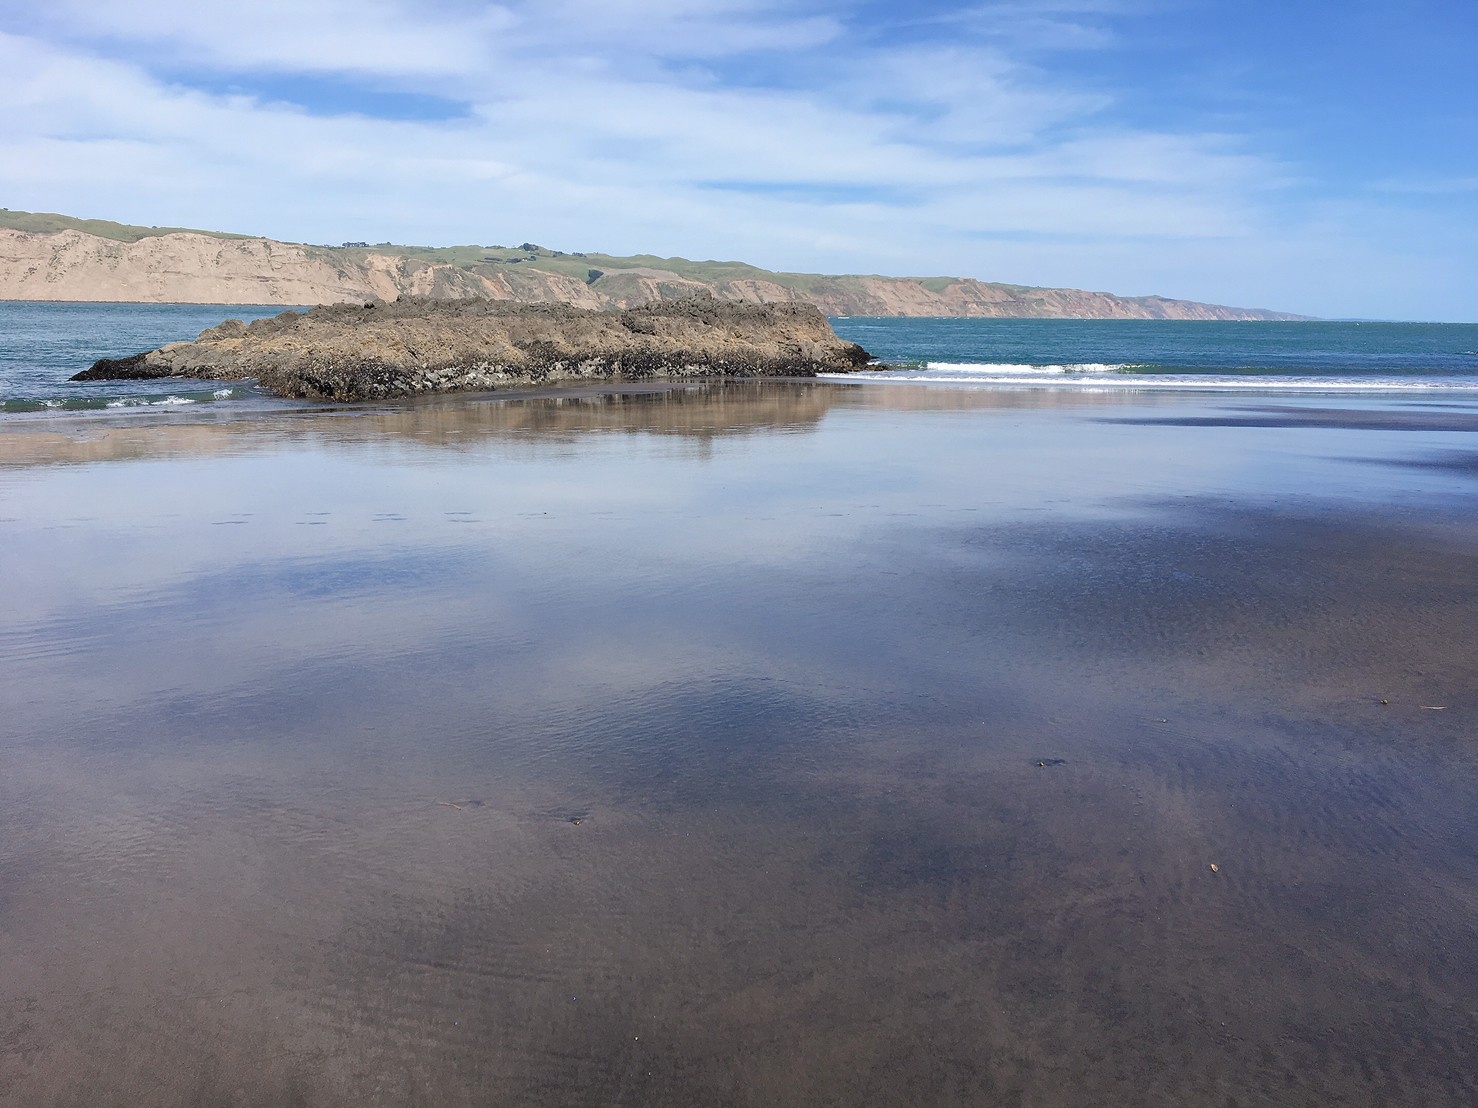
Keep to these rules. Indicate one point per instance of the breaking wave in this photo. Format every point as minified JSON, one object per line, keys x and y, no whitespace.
{"x":103,"y":402}
{"x":1103,"y":375}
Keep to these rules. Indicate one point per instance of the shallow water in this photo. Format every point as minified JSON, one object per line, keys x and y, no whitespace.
{"x":43,"y":344}
{"x":902,"y":728}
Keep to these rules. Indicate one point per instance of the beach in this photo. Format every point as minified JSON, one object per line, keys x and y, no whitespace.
{"x":783,"y":742}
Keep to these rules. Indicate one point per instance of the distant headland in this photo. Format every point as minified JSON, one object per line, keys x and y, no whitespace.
{"x":62,"y":258}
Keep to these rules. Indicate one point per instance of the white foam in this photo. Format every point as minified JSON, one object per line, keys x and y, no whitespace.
{"x":997,"y":369}
{"x":1103,"y":378}
{"x":145,"y":402}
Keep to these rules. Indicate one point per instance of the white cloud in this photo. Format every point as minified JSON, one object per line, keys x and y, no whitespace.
{"x":607,"y":124}
{"x":681,"y":29}
{"x":377,"y":37}
{"x":1042,"y":25}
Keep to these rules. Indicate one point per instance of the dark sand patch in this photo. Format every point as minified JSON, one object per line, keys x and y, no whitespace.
{"x":1402,"y":418}
{"x":1452,"y":461}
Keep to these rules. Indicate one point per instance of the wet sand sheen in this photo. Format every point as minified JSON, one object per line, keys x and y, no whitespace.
{"x":288,"y":811}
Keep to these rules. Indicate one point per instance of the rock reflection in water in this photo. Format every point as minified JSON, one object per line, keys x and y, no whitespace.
{"x":700,"y":411}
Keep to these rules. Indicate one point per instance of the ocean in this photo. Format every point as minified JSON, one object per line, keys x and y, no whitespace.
{"x":1167,"y":354}
{"x":41,"y":345}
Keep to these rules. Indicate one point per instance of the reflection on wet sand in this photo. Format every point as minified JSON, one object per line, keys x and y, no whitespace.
{"x":886,"y":762}
{"x":698,"y":412}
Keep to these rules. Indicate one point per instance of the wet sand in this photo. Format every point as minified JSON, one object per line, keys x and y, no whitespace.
{"x":783,"y":743}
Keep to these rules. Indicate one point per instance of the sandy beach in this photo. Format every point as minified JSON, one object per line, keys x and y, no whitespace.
{"x":743,"y":743}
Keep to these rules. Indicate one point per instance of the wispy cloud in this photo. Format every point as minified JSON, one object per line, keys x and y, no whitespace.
{"x":798,"y":135}
{"x":1437,"y":186}
{"x":378,"y":38}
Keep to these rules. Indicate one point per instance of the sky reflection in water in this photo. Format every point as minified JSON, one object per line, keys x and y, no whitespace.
{"x":306,"y":705}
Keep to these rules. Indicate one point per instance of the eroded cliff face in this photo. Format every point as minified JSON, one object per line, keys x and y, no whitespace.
{"x":204,"y":269}
{"x":968,"y":298}
{"x":389,"y":276}
{"x":379,"y":350}
{"x":181,"y":268}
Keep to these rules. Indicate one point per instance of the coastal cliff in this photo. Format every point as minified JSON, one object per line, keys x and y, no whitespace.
{"x":53,"y":257}
{"x":416,"y":346}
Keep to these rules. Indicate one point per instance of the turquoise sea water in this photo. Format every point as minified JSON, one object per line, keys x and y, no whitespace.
{"x":1163,"y":354}
{"x":42,"y":345}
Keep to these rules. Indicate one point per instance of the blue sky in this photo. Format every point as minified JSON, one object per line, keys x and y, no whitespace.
{"x":1316,"y":157}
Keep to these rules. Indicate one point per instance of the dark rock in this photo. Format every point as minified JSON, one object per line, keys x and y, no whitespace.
{"x":135,"y":367}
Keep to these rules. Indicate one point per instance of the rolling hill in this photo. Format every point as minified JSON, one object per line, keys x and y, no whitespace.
{"x":45,"y":256}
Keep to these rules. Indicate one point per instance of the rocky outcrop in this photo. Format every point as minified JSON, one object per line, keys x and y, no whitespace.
{"x":380,"y":350}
